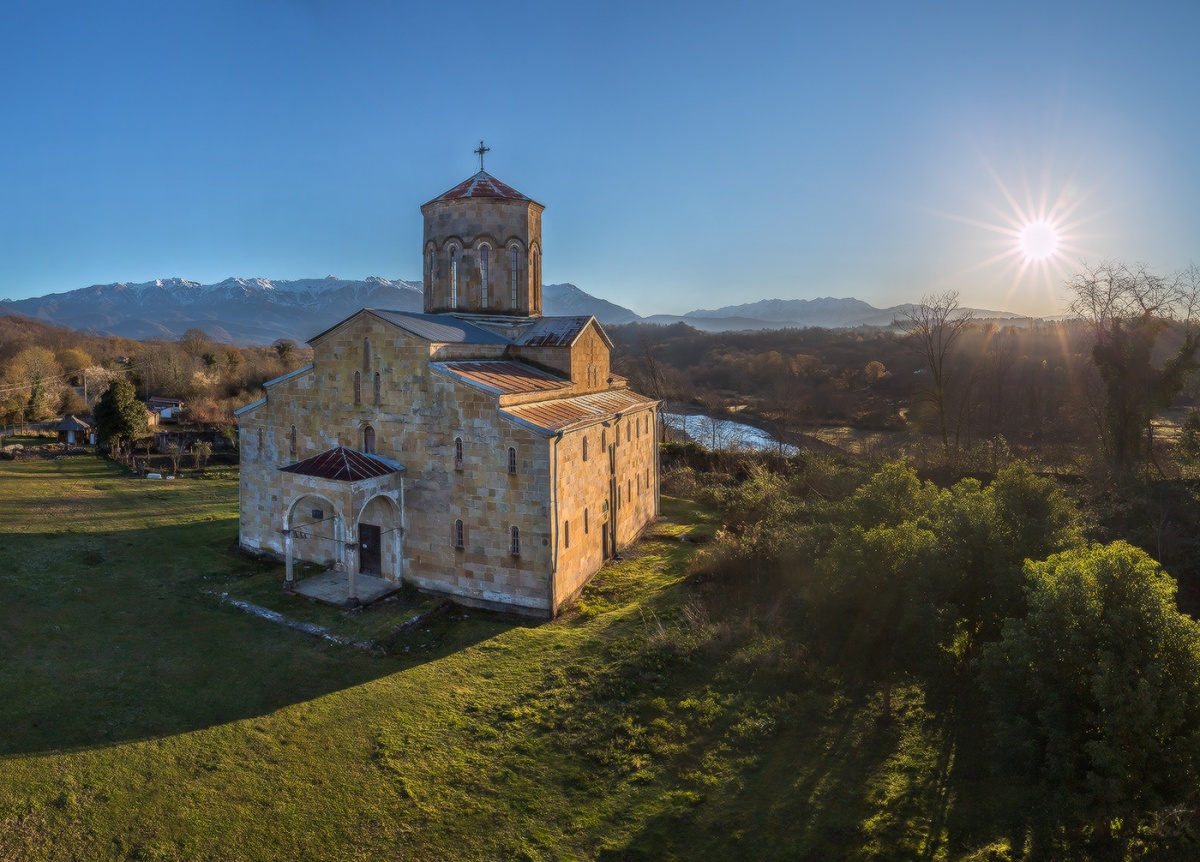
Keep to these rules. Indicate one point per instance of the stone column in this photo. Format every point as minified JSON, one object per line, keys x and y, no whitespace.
{"x":352,"y":573}
{"x":289,"y":583}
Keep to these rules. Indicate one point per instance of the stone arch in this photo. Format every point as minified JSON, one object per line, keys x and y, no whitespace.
{"x":323,"y":542}
{"x":382,"y":511}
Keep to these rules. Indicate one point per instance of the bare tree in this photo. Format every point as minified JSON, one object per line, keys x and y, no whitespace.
{"x":932,"y":328}
{"x":1127,"y":308}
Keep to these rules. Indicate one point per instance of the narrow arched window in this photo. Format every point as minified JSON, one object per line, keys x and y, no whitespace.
{"x":459,"y":540}
{"x":430,"y":270}
{"x":604,"y":440}
{"x":585,"y":451}
{"x":639,"y":482}
{"x":514,"y":542}
{"x":368,"y":439}
{"x":483,"y":275}
{"x":260,"y":436}
{"x":512,"y":460}
{"x":357,"y":388}
{"x":628,"y":489}
{"x":366,"y":354}
{"x":292,"y":442}
{"x":585,"y":522}
{"x":458,"y":453}
{"x":514,"y":266}
{"x":628,"y":433}
{"x":378,"y":390}
{"x":453,"y":276}
{"x":566,"y":534}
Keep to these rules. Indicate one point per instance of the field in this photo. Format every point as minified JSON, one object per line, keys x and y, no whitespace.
{"x":143,"y":718}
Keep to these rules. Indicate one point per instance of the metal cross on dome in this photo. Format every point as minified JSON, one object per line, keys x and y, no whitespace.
{"x":480,"y":151}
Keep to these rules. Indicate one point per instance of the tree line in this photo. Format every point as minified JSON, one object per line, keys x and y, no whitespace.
{"x":48,"y":371}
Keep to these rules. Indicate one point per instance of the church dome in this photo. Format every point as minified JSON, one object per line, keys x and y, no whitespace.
{"x":482,"y":185}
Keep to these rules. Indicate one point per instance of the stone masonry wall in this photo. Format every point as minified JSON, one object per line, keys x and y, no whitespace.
{"x":420,"y":414}
{"x":585,"y":486}
{"x":469,"y":223}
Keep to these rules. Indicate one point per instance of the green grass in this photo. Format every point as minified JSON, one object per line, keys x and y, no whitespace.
{"x":142,"y":718}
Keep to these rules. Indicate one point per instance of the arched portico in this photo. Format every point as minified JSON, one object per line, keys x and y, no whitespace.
{"x":340,"y":506}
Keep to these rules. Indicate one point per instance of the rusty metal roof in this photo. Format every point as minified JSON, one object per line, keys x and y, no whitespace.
{"x":562,"y":413}
{"x":343,"y":465}
{"x":504,"y":377}
{"x":553,"y":331}
{"x":482,"y":185}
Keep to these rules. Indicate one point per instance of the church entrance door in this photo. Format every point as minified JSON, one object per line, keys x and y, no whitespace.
{"x":370,"y":549}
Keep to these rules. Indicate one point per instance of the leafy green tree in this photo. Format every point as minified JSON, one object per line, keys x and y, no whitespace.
{"x":120,"y":417}
{"x":1096,"y":691}
{"x":985,"y":535}
{"x":878,"y":624}
{"x":201,"y":452}
{"x":875,"y":617}
{"x":175,"y":453}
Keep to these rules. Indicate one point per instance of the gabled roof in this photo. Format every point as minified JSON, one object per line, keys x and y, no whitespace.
{"x":503,"y":377}
{"x":282,"y":377}
{"x":70,"y":423}
{"x":344,"y":465}
{"x":439,"y":328}
{"x":559,"y":331}
{"x":482,"y":185}
{"x":560,"y":414}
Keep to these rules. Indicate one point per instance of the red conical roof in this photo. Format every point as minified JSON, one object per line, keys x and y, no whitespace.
{"x":482,"y":185}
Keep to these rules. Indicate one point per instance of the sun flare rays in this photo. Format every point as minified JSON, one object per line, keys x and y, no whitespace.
{"x":1037,"y":233}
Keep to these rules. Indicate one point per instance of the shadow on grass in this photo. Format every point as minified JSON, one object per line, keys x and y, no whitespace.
{"x":109,"y":637}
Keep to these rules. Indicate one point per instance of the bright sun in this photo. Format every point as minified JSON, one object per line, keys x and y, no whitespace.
{"x":1038,"y":240}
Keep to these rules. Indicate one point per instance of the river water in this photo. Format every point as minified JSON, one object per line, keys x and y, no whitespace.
{"x":723,"y":433}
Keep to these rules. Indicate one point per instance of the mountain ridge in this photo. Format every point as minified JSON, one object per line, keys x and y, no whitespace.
{"x":262,"y":310}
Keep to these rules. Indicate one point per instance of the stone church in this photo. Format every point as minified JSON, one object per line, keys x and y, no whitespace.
{"x":478,"y":450}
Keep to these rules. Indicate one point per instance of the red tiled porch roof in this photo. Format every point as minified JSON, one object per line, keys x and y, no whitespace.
{"x":343,"y":465}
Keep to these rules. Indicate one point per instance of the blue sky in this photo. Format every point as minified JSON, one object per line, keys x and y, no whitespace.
{"x":689,"y":155}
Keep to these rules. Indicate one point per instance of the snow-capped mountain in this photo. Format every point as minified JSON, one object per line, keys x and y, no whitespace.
{"x":255,"y":310}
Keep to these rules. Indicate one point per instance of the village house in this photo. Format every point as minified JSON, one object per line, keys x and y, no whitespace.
{"x":477,"y":450}
{"x":75,"y":432}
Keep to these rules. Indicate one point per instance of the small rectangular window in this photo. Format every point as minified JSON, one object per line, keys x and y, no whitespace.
{"x":318,"y":515}
{"x":459,"y":542}
{"x":566,"y":534}
{"x":515,"y":542}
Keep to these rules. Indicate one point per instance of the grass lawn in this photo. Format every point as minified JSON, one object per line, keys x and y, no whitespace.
{"x":142,"y":718}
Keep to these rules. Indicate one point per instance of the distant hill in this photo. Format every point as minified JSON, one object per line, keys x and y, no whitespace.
{"x":567,"y":299}
{"x":827,"y":311}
